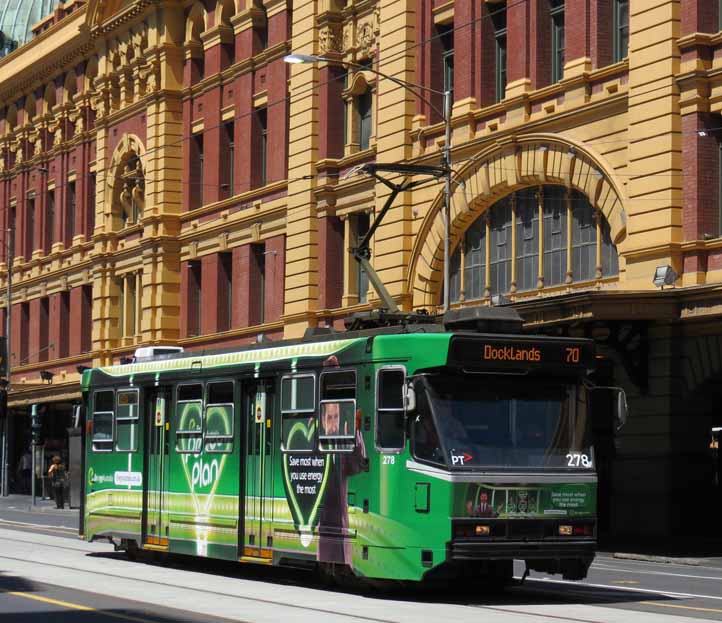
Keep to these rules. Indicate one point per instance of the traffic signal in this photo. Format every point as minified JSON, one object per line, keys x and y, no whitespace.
{"x":37,"y":427}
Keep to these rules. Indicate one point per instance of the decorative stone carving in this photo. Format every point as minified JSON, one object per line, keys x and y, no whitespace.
{"x":37,"y":142}
{"x":365,"y":39}
{"x":17,"y":149}
{"x":256,"y":232}
{"x":331,"y":39}
{"x":132,"y":194}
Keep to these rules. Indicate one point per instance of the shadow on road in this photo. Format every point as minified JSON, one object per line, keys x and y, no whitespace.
{"x":12,"y":584}
{"x":468,"y":593}
{"x":101,"y":615}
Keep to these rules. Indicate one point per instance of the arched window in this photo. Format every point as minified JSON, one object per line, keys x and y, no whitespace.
{"x":559,"y":237}
{"x":225,"y":10}
{"x":194,"y":52}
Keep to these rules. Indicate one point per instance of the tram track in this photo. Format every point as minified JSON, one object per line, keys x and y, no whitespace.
{"x":204,"y":591}
{"x":336,"y":613}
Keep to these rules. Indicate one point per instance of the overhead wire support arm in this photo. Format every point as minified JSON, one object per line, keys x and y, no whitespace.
{"x":362,"y":252}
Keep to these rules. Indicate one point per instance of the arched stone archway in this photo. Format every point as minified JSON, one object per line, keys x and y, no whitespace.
{"x":497,"y":171}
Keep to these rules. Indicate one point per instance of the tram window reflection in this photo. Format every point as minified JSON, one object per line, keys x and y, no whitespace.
{"x":103,"y":410}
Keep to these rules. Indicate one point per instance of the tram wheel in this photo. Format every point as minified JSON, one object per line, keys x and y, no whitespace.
{"x":335,"y":575}
{"x":499,"y":575}
{"x":131,"y":550}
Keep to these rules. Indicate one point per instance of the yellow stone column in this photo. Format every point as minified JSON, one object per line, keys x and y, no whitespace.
{"x":654,"y":187}
{"x":394,"y":111}
{"x":301,"y":288}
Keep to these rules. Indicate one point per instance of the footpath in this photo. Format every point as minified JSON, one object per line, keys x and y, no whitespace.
{"x":688,"y":552}
{"x":24,"y":503}
{"x":20,"y":508}
{"x":683,"y":551}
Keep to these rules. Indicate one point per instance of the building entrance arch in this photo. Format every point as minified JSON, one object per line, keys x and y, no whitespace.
{"x":540,"y":160}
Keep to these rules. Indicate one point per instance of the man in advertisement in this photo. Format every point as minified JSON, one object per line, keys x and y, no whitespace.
{"x":483,"y":508}
{"x":333,"y":544}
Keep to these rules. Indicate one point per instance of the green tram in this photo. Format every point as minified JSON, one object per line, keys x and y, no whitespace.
{"x":405,"y":452}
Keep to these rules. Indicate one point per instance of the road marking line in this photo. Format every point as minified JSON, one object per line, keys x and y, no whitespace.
{"x":675,"y":575}
{"x":647,"y":563}
{"x":48,"y":600}
{"x":36,"y":525}
{"x":625,"y":582}
{"x":72,"y":606}
{"x":624,"y":588}
{"x":654,"y":603}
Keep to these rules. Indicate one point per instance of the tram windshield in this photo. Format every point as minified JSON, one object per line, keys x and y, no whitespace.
{"x":521,"y":423}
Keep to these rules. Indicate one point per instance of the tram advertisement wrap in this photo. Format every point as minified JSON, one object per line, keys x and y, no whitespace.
{"x":317,"y":489}
{"x":533,"y":501}
{"x":305,"y":475}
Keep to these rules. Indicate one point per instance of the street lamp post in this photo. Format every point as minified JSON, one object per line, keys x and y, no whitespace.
{"x":9,"y":242}
{"x":446,"y":153}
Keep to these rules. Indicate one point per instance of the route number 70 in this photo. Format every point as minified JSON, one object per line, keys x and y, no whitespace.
{"x":572,"y":355}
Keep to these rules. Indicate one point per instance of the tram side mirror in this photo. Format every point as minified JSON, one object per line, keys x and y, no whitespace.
{"x":622,"y":410}
{"x":77,"y":415}
{"x":409,"y":398}
{"x":609,"y":407}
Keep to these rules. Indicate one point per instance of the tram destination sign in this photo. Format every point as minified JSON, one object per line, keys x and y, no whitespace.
{"x":507,"y":353}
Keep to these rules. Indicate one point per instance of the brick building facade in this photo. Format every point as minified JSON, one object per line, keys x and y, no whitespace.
{"x":168,"y":179}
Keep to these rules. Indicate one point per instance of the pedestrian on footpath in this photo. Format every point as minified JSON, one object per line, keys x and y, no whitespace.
{"x":24,"y":471}
{"x":56,"y":473}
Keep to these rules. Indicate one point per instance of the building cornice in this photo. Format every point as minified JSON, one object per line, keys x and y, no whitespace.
{"x":45,"y":55}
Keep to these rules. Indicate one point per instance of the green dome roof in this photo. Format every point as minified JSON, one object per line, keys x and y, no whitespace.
{"x":17,"y":17}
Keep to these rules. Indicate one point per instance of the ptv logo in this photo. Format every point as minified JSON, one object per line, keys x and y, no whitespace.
{"x":461,"y":459}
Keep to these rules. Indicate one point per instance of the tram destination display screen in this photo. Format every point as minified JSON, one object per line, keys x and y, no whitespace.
{"x":510,"y":353}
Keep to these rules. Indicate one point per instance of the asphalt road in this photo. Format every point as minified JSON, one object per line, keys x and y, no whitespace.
{"x":44,"y":572}
{"x":684,"y":590}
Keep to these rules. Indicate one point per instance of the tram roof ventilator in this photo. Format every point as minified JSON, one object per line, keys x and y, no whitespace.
{"x":483,"y":319}
{"x":156,"y":352}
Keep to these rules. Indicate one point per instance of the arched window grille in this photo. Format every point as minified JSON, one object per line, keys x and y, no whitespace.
{"x":534,"y":238}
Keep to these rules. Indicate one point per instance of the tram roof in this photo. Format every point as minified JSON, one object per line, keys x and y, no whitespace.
{"x":315,"y":344}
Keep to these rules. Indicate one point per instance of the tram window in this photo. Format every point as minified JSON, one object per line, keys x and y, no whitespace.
{"x":189,"y":418}
{"x":426,"y":441}
{"x":298,"y":408}
{"x":126,"y":421}
{"x":390,"y":433}
{"x":339,"y":385}
{"x":103,"y":407}
{"x":298,"y":393}
{"x":219,"y":417}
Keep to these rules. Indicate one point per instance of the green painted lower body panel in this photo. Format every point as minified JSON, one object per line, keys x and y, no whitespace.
{"x":381,"y":546}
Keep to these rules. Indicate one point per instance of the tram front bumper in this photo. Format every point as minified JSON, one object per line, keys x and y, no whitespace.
{"x":472,"y":549}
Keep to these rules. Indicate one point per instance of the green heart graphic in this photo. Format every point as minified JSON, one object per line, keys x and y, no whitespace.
{"x":304,"y":503}
{"x":190,"y":419}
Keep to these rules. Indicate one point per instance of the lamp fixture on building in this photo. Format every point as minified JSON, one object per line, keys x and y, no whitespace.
{"x":499,"y":299}
{"x":664,"y":276}
{"x":702,"y":133}
{"x":47,"y":376}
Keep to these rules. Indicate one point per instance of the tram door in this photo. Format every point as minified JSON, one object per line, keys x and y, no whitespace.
{"x":157,"y":409}
{"x":257,"y":536}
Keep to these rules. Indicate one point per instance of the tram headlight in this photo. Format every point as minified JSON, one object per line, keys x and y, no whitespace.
{"x":482,"y":530}
{"x":565,"y":530}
